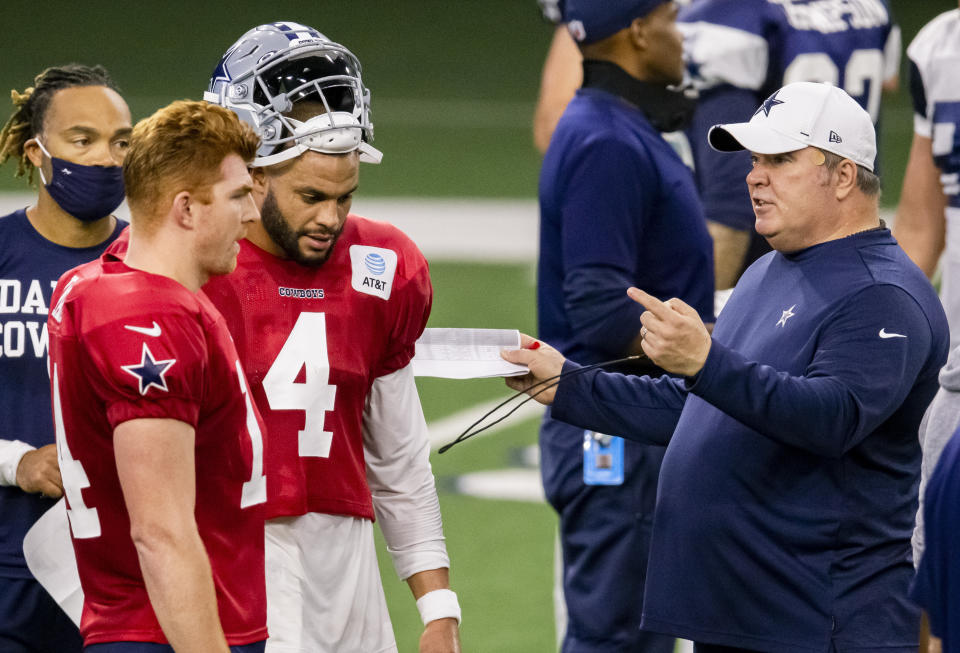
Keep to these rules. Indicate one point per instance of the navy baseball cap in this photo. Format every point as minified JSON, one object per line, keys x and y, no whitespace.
{"x":590,"y":21}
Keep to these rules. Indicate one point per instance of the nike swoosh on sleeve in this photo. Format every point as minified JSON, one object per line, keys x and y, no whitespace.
{"x":153,"y":331}
{"x":885,"y":334}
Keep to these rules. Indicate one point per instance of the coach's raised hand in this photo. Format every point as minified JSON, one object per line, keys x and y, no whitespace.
{"x":544,"y":363}
{"x":674,"y":336}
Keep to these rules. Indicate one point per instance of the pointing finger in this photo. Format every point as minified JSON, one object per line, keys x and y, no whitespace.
{"x":649,"y":302}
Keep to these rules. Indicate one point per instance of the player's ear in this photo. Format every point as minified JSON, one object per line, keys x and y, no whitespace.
{"x":34,"y":154}
{"x":183,"y":210}
{"x":259,"y":176}
{"x":637,"y":33}
{"x":846,"y":176}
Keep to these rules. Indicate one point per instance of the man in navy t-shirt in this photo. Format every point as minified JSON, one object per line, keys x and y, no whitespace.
{"x":618,"y":208}
{"x":789,"y":487}
{"x":72,"y":130}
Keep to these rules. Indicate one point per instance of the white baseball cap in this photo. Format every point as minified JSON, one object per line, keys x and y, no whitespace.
{"x":799,"y":115}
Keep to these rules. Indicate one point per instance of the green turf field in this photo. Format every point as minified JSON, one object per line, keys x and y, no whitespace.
{"x":453,"y":81}
{"x":501,"y":551}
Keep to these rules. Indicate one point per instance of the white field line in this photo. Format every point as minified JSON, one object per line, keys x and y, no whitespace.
{"x":477,"y":230}
{"x":468,"y":229}
{"x":447,"y":429}
{"x":510,"y":484}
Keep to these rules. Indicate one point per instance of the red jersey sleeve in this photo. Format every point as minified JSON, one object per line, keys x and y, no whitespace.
{"x":149,"y":364}
{"x":413,"y":297}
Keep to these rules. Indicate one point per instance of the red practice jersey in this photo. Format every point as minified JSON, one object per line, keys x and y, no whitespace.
{"x":312,"y":340}
{"x":126,"y":344}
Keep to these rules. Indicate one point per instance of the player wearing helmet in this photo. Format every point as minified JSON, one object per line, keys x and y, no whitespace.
{"x":325,"y":307}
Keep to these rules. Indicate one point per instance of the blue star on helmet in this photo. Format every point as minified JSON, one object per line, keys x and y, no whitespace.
{"x":220,"y":73}
{"x":768,"y":105}
{"x":149,"y":372}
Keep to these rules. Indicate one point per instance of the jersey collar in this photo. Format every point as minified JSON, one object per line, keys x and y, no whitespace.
{"x":666,"y":109}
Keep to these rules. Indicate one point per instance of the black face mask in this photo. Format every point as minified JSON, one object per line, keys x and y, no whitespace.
{"x":88,"y":193}
{"x":668,"y":109}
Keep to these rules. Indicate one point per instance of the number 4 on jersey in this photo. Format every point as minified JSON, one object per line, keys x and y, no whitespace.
{"x":305,"y":349}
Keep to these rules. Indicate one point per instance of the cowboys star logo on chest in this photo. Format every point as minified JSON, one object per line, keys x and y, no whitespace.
{"x":786,"y":315}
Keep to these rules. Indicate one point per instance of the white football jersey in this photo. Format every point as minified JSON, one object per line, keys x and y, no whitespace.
{"x":935,"y":56}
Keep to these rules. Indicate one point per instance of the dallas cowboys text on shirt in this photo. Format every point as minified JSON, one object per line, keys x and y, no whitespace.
{"x":301,"y":293}
{"x":23,"y":318}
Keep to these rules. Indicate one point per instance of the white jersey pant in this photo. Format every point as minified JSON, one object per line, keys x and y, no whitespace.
{"x":324,"y":593}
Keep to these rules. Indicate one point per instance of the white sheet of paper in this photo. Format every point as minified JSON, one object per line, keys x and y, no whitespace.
{"x":50,"y":557}
{"x":466,"y":353}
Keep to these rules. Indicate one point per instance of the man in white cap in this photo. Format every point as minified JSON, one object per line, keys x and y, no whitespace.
{"x":788,"y":490}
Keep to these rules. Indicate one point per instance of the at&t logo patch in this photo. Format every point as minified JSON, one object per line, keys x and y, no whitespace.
{"x":373,"y":270}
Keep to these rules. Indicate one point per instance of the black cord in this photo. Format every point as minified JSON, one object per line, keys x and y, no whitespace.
{"x":551,"y":381}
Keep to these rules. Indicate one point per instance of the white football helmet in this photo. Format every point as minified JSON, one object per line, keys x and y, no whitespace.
{"x":274,"y":66}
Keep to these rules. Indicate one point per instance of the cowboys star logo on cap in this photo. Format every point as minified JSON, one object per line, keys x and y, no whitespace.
{"x":807,"y":114}
{"x":770,"y":102}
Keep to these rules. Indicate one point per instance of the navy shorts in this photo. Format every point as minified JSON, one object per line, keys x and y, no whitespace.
{"x":605,"y":537}
{"x":150,"y":647}
{"x":32,"y":622}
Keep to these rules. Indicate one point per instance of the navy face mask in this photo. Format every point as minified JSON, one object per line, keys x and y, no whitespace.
{"x":87,"y":193}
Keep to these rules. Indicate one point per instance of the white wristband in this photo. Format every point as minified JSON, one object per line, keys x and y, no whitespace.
{"x":438,"y":604}
{"x":11,"y":452}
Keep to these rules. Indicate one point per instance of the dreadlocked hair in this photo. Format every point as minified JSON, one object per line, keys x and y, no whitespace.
{"x":30,"y":108}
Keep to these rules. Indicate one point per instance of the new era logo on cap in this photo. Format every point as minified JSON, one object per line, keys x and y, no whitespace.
{"x":799,"y":115}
